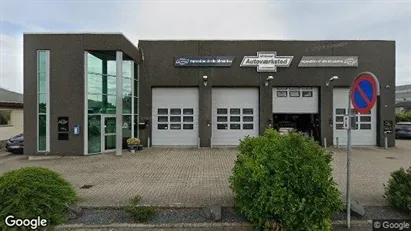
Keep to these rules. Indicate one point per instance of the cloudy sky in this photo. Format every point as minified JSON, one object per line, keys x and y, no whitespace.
{"x":195,"y":19}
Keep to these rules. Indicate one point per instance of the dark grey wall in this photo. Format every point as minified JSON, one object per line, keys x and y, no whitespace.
{"x":158,"y":70}
{"x":66,"y":83}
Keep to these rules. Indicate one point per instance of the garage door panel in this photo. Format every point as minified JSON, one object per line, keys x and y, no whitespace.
{"x":175,"y":117}
{"x":235,"y":115}
{"x":294,"y":100}
{"x":365,"y":132}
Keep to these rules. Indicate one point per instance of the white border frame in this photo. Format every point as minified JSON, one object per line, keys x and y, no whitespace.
{"x":85,"y":129}
{"x":132,"y":98}
{"x":47,"y":101}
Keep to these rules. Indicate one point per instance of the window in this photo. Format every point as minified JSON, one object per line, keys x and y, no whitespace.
{"x":365,"y":126}
{"x":43,"y":108}
{"x":162,"y":127}
{"x":307,"y":94}
{"x":235,"y":119}
{"x":235,"y":111}
{"x":281,"y":93}
{"x":248,"y":119}
{"x":175,"y":111}
{"x":188,"y":126}
{"x":248,"y":126}
{"x":162,"y":111}
{"x":5,"y":118}
{"x":222,"y":119}
{"x":175,"y":119}
{"x":175,"y":126}
{"x":247,"y":111}
{"x":235,"y":126}
{"x":188,"y":119}
{"x":188,"y":111}
{"x":162,"y":119}
{"x":294,"y":93}
{"x":339,"y":126}
{"x":222,"y":126}
{"x":340,"y":111}
{"x":339,"y":119}
{"x":365,"y":118}
{"x":222,"y":111}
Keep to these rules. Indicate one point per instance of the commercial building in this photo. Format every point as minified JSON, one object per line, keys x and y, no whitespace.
{"x":196,"y":93}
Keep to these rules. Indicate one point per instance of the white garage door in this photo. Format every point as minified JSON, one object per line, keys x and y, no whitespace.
{"x":365,"y":132}
{"x":234,"y":115}
{"x":295,"y":100}
{"x":175,"y":117}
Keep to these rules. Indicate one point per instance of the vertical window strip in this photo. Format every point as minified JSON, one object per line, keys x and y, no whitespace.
{"x":43,"y":102}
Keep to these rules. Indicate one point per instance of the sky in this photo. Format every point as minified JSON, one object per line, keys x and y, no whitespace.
{"x":195,"y":19}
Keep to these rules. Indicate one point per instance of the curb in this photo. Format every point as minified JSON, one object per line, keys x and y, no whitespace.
{"x":179,"y":226}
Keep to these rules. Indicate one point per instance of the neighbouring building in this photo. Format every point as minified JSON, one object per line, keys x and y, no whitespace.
{"x":204,"y":93}
{"x":403,"y":98}
{"x":11,"y":115}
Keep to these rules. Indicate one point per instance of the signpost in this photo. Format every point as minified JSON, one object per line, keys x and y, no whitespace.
{"x":363,"y":95}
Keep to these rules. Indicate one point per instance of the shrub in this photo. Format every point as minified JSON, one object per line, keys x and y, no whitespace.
{"x":398,"y":190}
{"x":133,"y":141}
{"x":286,"y":180}
{"x":403,"y":117}
{"x":139,"y":213}
{"x":33,"y":191}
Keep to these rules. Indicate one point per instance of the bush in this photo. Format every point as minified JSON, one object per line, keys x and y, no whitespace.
{"x":139,"y":213}
{"x":403,"y":117}
{"x":286,"y":180}
{"x":398,"y":190}
{"x":33,"y":191}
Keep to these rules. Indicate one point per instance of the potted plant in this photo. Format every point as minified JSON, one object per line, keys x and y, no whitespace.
{"x":133,"y":144}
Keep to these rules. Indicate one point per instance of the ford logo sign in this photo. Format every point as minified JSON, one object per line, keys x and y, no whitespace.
{"x":182,"y":61}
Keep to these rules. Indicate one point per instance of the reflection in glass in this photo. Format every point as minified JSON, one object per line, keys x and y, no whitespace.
{"x":111,"y":84}
{"x":95,"y":104}
{"x":127,"y":105}
{"x":42,"y":102}
{"x":136,"y":88}
{"x":127,"y":87}
{"x":110,"y":105}
{"x":111,"y":67}
{"x":109,"y":125}
{"x":126,"y":126}
{"x":42,"y":132}
{"x":110,"y":142}
{"x":127,"y":68}
{"x":94,"y":64}
{"x":95,"y":83}
{"x":42,"y":61}
{"x":94,"y":134}
{"x":42,"y":82}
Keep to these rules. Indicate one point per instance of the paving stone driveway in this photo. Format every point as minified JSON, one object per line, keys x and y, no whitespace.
{"x":192,"y":177}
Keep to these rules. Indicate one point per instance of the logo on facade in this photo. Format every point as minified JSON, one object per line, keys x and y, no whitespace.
{"x":329,"y":61}
{"x":182,"y":61}
{"x":266,"y":61}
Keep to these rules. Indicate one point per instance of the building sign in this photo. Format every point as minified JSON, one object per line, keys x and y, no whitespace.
{"x":266,"y":61}
{"x":205,"y":61}
{"x":329,"y":61}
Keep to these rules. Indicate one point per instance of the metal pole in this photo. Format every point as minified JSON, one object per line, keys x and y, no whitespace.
{"x":349,"y":160}
{"x":385,"y":141}
{"x":119,"y":103}
{"x":148,"y":142}
{"x":198,"y":142}
{"x":325,"y":142}
{"x":338,"y":143}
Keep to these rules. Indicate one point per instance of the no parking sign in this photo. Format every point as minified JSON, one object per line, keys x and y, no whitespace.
{"x":364,"y":91}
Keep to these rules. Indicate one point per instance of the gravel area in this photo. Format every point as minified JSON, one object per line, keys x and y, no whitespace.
{"x":171,"y":216}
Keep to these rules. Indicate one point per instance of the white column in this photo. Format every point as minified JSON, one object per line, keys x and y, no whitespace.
{"x":132,"y":100}
{"x":119,"y":103}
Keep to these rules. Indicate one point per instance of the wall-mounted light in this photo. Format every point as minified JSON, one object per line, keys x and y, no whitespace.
{"x":387,"y":86}
{"x":331,"y":80}
{"x":269,"y":78}
{"x":205,"y":78}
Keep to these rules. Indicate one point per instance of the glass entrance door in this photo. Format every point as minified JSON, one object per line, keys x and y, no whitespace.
{"x":108,"y":135}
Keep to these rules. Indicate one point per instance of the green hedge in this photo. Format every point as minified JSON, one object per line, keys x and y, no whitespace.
{"x":33,"y":191}
{"x":398,"y":190}
{"x":403,"y":117}
{"x":285,"y":180}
